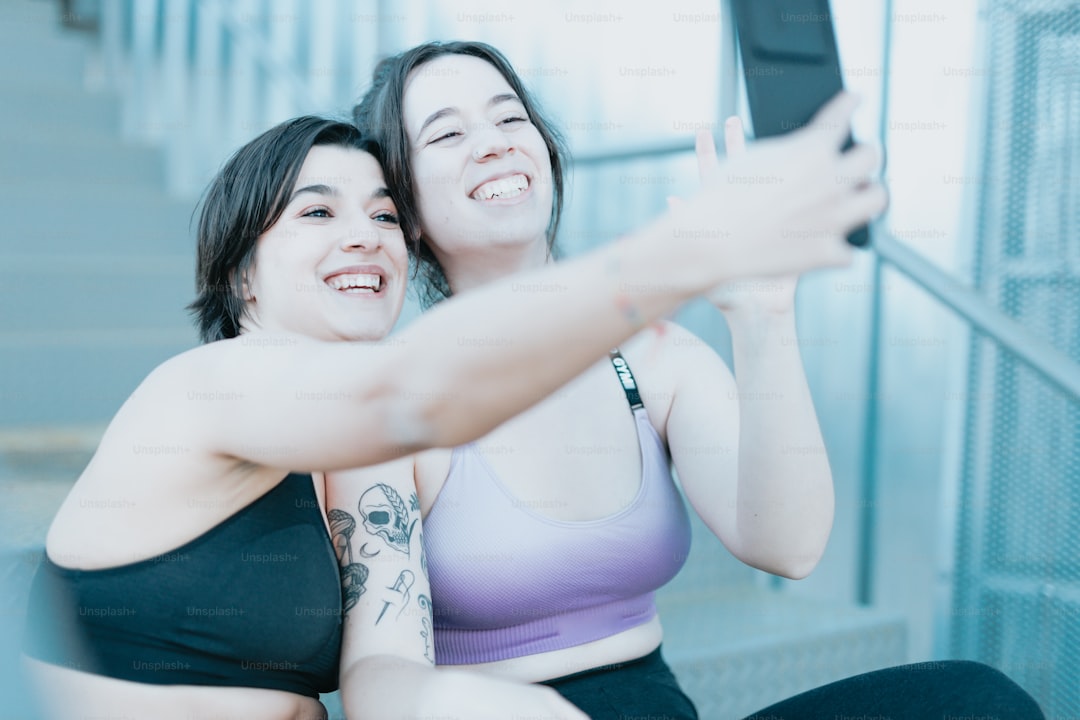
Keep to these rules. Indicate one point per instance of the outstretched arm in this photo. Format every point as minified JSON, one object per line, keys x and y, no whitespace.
{"x":477,"y":360}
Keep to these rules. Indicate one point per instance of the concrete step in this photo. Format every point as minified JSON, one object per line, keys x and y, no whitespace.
{"x":34,"y":18}
{"x":59,"y":58}
{"x":109,"y":162}
{"x":81,"y":376}
{"x":42,"y":306}
{"x":48,"y":111}
{"x":108,"y":220}
{"x":742,"y":649}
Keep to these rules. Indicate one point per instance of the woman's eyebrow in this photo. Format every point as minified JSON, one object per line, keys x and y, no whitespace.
{"x":503,"y":97}
{"x":439,"y":114}
{"x":376,"y":194}
{"x":317,"y":189}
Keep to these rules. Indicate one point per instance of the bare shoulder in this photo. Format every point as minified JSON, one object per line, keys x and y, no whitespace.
{"x":167,"y":418}
{"x":667,"y":359}
{"x":181,"y":377}
{"x":163,"y":398}
{"x":668,"y":351}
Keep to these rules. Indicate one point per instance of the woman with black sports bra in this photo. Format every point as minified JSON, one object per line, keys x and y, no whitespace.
{"x":546,"y":538}
{"x":191,"y":572}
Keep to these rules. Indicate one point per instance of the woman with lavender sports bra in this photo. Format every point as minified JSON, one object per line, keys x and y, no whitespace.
{"x":545,"y":540}
{"x":548,"y":584}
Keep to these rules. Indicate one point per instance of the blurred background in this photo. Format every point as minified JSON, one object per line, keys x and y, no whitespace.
{"x":945,"y":362}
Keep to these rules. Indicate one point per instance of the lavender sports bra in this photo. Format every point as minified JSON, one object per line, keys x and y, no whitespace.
{"x":507,"y":581}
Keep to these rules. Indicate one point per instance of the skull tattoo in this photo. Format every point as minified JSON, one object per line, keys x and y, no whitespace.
{"x":386,"y":516}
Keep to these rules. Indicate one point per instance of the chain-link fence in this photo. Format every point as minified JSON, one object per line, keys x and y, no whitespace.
{"x":1018,"y":555}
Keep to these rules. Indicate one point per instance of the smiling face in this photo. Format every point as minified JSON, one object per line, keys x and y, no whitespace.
{"x":481,"y":170}
{"x":334,"y":265}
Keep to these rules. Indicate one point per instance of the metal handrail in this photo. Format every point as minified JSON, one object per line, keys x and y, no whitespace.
{"x":632,"y":152}
{"x":1053,"y":365}
{"x":1042,"y":357}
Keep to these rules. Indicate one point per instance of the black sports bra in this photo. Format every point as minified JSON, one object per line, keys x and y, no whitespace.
{"x":252,"y":602}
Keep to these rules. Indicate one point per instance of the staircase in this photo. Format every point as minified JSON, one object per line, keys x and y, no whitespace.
{"x":738,"y":645}
{"x":96,"y":262}
{"x":96,"y":266}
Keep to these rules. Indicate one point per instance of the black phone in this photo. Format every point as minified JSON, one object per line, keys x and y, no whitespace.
{"x":791,"y":66}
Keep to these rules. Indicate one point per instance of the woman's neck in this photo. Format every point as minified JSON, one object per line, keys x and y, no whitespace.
{"x":473,"y":268}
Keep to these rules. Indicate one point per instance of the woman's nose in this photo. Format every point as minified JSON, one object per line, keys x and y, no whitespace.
{"x":362,"y":236}
{"x":490,"y":143}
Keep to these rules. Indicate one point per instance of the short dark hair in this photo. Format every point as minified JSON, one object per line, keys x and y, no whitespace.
{"x":380,"y":114}
{"x":242,"y":202}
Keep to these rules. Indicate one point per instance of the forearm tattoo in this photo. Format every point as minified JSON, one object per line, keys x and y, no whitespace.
{"x":426,"y":622}
{"x":423,"y":555}
{"x":399,"y":594}
{"x":353,"y":574}
{"x":386,"y":516}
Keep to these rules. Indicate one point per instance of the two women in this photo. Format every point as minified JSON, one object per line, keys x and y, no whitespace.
{"x":543,"y":553}
{"x":191,"y":571}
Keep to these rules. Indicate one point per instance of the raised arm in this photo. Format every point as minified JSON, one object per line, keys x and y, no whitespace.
{"x":475,"y":361}
{"x":749,"y":454}
{"x":769,"y":496}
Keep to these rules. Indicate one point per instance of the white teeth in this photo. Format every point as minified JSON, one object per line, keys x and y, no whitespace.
{"x":356,"y":283}
{"x":502,"y":188}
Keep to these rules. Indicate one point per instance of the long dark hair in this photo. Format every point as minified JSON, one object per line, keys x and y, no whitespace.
{"x":242,"y":202}
{"x":380,"y":114}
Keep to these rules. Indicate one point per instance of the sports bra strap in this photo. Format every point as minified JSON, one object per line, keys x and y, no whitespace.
{"x":622,"y":368}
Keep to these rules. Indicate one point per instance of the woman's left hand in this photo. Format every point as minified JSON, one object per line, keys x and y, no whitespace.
{"x":768,"y":294}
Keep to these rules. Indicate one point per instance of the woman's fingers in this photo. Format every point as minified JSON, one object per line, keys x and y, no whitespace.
{"x":864,"y":205}
{"x":786,"y":203}
{"x":706,"y":155}
{"x":832,"y":123}
{"x":734,"y":138}
{"x":857,"y":166}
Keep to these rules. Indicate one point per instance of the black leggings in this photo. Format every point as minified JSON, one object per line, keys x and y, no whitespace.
{"x":642,"y":689}
{"x":948,"y":690}
{"x":645,"y":689}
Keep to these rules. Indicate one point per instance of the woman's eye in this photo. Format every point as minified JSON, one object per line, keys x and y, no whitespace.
{"x":514,"y":119}
{"x":445,"y":136}
{"x":386,"y":217}
{"x":320,"y":212}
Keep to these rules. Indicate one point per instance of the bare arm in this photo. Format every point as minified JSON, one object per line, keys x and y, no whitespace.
{"x":387,"y":652}
{"x":749,"y":454}
{"x":388,"y":655}
{"x":304,"y":405}
{"x":769,"y":494}
{"x":390,"y":688}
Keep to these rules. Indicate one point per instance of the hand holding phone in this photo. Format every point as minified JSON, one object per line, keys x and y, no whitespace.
{"x":791,"y":66}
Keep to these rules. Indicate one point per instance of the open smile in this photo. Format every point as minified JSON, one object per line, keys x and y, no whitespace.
{"x":503,"y":188}
{"x":367,"y":281}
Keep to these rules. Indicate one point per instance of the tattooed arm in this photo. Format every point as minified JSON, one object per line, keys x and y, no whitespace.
{"x":387,"y":644}
{"x":388,"y":654}
{"x":375,"y":526}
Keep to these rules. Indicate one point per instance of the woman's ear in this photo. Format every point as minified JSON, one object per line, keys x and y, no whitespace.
{"x":245,"y":287}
